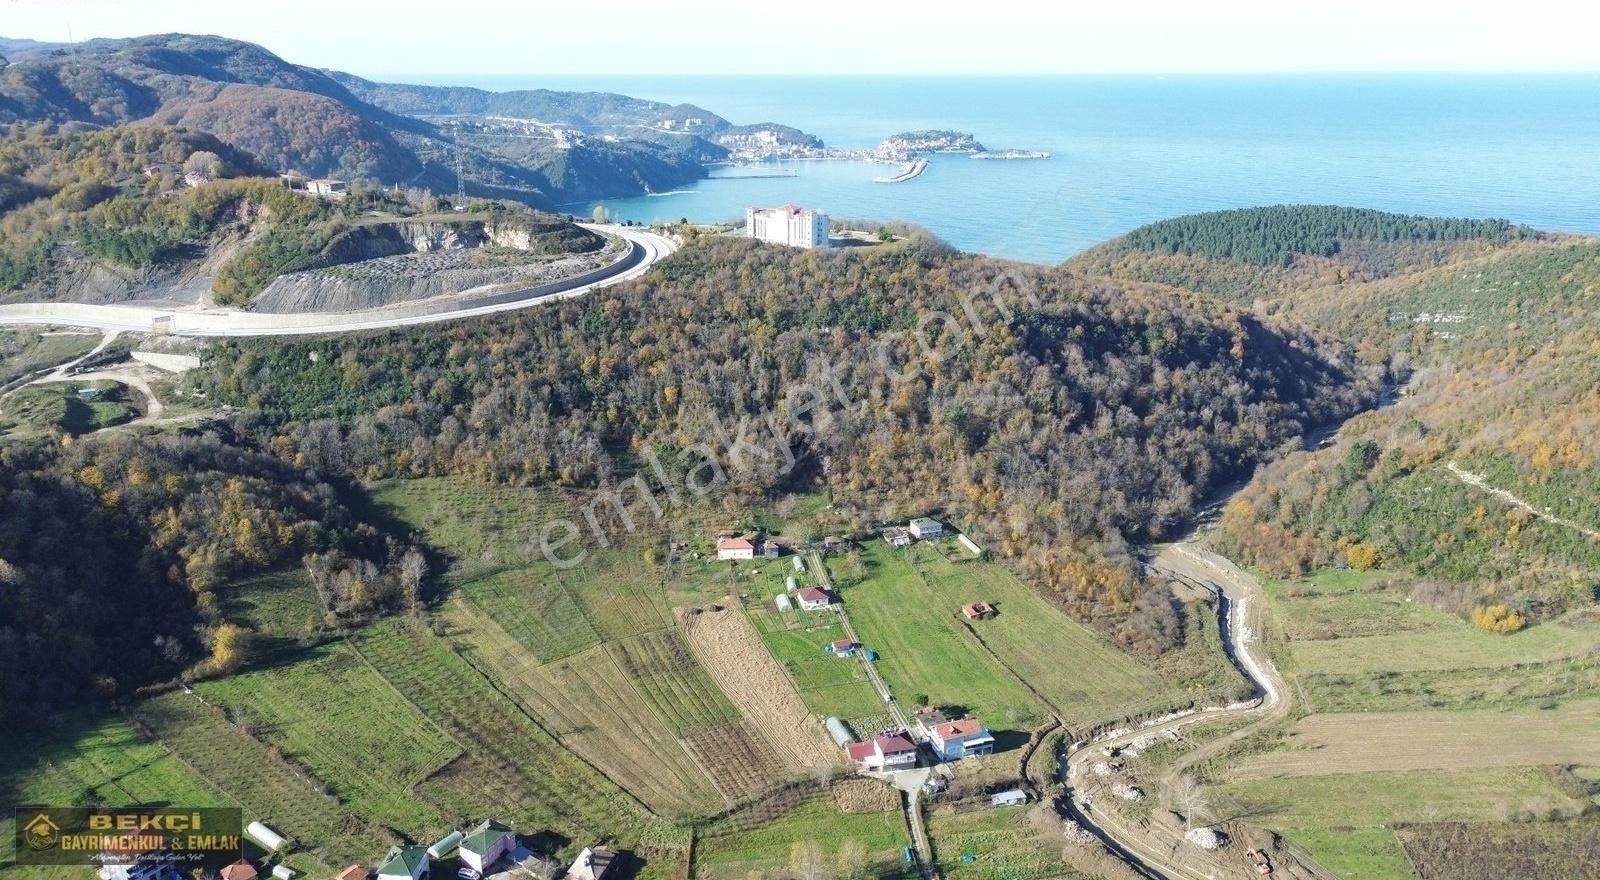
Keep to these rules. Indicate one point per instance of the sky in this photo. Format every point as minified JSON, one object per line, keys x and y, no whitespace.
{"x":442,"y":41}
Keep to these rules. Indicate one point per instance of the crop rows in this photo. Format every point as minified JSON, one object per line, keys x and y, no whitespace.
{"x":741,"y":762}
{"x":335,"y":715}
{"x":672,"y":682}
{"x":268,"y":788}
{"x":525,"y":771}
{"x":539,"y":613}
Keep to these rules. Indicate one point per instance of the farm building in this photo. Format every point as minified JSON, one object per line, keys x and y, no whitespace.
{"x":839,"y":732}
{"x":240,"y":870}
{"x":783,"y":603}
{"x":735,"y":548}
{"x":445,"y":845}
{"x":886,"y":751}
{"x":977,"y":610}
{"x":1009,"y":798}
{"x":812,"y":598}
{"x":897,"y":537}
{"x":353,"y":872}
{"x":484,"y":845}
{"x":327,"y":186}
{"x":270,"y":840}
{"x":842,"y":647}
{"x":404,"y":863}
{"x":833,"y":544}
{"x":923,"y":528}
{"x":768,"y":549}
{"x":592,"y":864}
{"x":963,"y":738}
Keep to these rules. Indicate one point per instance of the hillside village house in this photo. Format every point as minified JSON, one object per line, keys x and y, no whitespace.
{"x":923,"y":528}
{"x":240,"y":870}
{"x":484,"y":845}
{"x":962,"y":738}
{"x":404,"y":863}
{"x":897,"y":537}
{"x":813,"y":599}
{"x":329,"y":187}
{"x":353,"y":872}
{"x":842,"y":647}
{"x":592,"y":864}
{"x":884,"y":752}
{"x":735,"y":548}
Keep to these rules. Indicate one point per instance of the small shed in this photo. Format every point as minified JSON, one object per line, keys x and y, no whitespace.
{"x":783,"y":603}
{"x":283,"y":872}
{"x":842,"y":647}
{"x":354,"y":872}
{"x":271,"y":840}
{"x":1009,"y":798}
{"x":977,"y":610}
{"x":839,"y":731}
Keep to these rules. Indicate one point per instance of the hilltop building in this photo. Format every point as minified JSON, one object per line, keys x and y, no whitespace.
{"x":790,"y":225}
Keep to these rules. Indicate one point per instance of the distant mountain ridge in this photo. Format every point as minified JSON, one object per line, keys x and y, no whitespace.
{"x":539,"y":146}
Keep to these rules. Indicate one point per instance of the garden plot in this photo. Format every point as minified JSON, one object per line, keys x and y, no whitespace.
{"x":731,"y":650}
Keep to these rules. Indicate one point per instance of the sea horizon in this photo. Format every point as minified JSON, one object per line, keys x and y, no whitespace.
{"x":1129,"y":149}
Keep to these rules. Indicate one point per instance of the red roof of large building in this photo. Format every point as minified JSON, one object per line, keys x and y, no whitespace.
{"x":735,"y":544}
{"x":812,"y":594}
{"x":959,"y":727}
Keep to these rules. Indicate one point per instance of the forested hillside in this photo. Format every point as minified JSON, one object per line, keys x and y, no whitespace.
{"x":113,"y":552}
{"x":1067,"y":420}
{"x":1253,"y":254}
{"x":297,"y":119}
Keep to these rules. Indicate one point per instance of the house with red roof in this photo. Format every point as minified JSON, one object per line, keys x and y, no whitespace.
{"x":842,"y":647}
{"x":813,"y":598}
{"x":961,"y":738}
{"x":240,"y":870}
{"x":735,"y":548}
{"x":884,"y":752}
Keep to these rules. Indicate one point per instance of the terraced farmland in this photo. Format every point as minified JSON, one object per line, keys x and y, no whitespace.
{"x":761,"y":839}
{"x":535,"y":610}
{"x":590,"y":705}
{"x":248,"y":772}
{"x":331,"y":713}
{"x":515,"y":769}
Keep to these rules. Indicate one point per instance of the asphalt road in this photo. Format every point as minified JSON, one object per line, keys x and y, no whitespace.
{"x":645,"y":248}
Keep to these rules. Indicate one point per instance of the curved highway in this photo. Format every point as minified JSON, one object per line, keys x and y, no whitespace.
{"x":644,"y":249}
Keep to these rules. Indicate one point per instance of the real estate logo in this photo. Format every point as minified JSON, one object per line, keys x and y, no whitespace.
{"x":41,"y":833}
{"x":207,"y":838}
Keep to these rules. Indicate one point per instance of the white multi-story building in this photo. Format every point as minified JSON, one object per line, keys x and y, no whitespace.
{"x":790,"y":224}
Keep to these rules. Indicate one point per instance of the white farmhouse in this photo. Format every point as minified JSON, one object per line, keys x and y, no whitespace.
{"x":790,"y":224}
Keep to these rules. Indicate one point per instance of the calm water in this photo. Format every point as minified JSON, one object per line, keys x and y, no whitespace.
{"x":1129,"y":150}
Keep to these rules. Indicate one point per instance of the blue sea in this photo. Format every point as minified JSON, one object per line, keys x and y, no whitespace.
{"x":1130,"y":150}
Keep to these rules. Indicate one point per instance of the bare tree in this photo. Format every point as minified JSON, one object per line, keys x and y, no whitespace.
{"x":1190,"y":797}
{"x":806,"y":861}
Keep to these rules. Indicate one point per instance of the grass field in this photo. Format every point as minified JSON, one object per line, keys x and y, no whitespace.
{"x":282,"y":604}
{"x":1379,"y":741}
{"x":57,"y":406}
{"x":1002,"y":843}
{"x":331,"y":713}
{"x":91,"y":759}
{"x":1331,"y":624}
{"x":1071,"y":667}
{"x":922,"y":648}
{"x":735,"y":849}
{"x":1345,"y":819}
{"x":830,"y":685}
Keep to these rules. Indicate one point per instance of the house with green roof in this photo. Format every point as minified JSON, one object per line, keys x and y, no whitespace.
{"x":404,"y":863}
{"x":485,"y":844}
